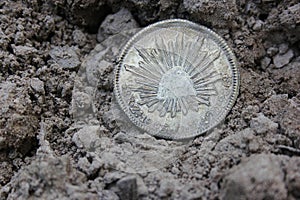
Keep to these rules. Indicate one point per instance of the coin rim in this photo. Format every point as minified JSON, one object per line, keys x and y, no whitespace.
{"x":216,"y":38}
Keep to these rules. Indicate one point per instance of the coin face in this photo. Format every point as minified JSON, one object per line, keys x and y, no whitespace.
{"x":176,"y":79}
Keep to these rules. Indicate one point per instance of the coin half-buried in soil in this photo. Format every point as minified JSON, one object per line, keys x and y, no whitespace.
{"x":176,"y":79}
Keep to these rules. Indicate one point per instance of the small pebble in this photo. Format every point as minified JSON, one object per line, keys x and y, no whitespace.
{"x":37,"y":85}
{"x":282,"y":60}
{"x":265,"y":62}
{"x":258,"y":25}
{"x":272,"y":51}
{"x":79,"y":37}
{"x":283,"y":48}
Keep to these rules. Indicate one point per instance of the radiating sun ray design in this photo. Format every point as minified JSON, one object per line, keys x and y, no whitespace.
{"x":175,"y":76}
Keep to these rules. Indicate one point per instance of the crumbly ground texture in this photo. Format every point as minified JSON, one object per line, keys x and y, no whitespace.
{"x":62,"y":135}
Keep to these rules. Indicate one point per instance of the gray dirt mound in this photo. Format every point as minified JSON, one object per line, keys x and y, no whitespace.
{"x":62,"y":136}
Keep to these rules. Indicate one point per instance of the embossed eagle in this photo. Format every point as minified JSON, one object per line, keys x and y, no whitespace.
{"x":175,"y":76}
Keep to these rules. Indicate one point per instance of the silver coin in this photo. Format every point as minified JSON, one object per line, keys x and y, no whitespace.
{"x":176,"y":79}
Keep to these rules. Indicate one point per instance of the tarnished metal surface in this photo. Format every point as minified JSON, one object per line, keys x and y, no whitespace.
{"x":176,"y":79}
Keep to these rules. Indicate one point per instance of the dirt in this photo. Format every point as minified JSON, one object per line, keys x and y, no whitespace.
{"x":62,"y":135}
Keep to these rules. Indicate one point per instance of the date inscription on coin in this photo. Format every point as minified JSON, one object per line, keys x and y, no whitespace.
{"x":176,"y":79}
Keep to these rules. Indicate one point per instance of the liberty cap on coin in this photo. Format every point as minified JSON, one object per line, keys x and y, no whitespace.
{"x":176,"y":79}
